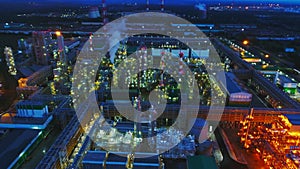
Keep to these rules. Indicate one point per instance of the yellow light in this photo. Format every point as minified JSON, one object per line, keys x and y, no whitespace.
{"x":245,"y":42}
{"x":264,"y":66}
{"x":267,"y":56}
{"x":58,"y":33}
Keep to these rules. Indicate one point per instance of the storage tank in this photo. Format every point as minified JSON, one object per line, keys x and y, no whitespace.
{"x":94,"y":12}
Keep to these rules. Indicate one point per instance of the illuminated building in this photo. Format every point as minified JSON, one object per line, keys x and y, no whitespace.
{"x":31,"y":109}
{"x":269,"y":71}
{"x":62,"y":68}
{"x":24,"y":47}
{"x":22,"y":82}
{"x":236,"y":95}
{"x":244,"y":131}
{"x":289,"y":86}
{"x":10,"y":61}
{"x":277,"y":143}
{"x":41,"y":47}
{"x":23,"y":90}
{"x":61,"y":48}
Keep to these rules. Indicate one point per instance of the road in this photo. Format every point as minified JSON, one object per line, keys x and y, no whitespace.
{"x":275,"y":60}
{"x":227,"y":162}
{"x":39,"y":152}
{"x":13,"y":143}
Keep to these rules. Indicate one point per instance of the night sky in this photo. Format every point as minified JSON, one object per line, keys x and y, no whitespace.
{"x":157,"y":1}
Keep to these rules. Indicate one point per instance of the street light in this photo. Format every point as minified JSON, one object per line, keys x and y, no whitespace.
{"x":245,"y":42}
{"x":58,"y":33}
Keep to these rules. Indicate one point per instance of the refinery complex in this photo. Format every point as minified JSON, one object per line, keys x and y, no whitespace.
{"x":142,"y":85}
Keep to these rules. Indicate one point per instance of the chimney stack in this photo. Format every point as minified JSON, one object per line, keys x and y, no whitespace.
{"x":162,"y":6}
{"x":147,"y":5}
{"x":104,"y":12}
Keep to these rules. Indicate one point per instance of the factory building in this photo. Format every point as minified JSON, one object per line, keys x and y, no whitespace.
{"x":102,"y":159}
{"x":10,"y":61}
{"x":23,"y":90}
{"x":41,"y":47}
{"x":186,"y":53}
{"x":94,"y":12}
{"x":40,"y":76}
{"x":236,"y":95}
{"x":29,"y":108}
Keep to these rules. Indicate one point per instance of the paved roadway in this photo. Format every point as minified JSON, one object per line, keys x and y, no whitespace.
{"x":38,"y":153}
{"x":13,"y":143}
{"x":275,"y":60}
{"x":257,"y":101}
{"x":227,"y":163}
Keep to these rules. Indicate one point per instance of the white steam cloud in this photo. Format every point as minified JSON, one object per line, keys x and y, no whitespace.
{"x":115,"y":37}
{"x":201,"y":7}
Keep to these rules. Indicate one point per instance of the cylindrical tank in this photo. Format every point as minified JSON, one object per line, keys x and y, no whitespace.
{"x":94,"y":12}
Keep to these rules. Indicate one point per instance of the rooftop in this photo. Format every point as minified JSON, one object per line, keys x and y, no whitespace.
{"x":10,"y":121}
{"x":13,"y":144}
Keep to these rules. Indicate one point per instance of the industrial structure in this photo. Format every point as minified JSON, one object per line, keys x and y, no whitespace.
{"x":104,"y":12}
{"x":230,"y":119}
{"x":10,"y":61}
{"x":42,"y":47}
{"x":31,"y":109}
{"x":94,"y":12}
{"x":270,"y":128}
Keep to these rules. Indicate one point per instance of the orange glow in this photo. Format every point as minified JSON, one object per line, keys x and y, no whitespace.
{"x":264,"y":66}
{"x":243,"y":53}
{"x":245,"y":42}
{"x":22,"y":82}
{"x":267,"y":56}
{"x":273,"y":136}
{"x":252,"y":60}
{"x":58,"y":33}
{"x":6,"y":115}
